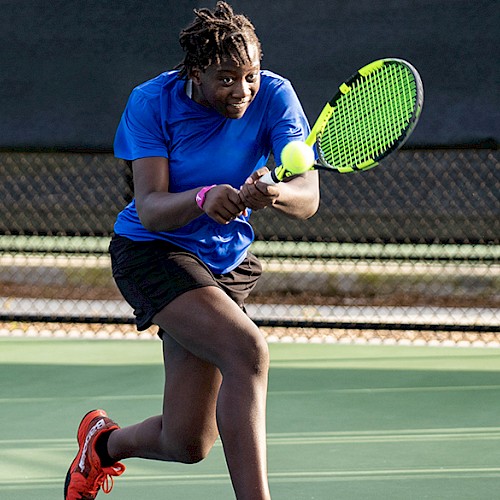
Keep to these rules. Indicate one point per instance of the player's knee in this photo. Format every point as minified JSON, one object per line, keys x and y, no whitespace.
{"x":191,"y":453}
{"x":195,"y":454}
{"x":261,"y":356}
{"x":252,"y":356}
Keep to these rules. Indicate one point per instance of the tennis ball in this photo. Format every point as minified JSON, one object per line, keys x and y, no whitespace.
{"x":297,"y":157}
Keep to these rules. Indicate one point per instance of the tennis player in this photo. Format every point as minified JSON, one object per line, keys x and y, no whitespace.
{"x":198,"y":138}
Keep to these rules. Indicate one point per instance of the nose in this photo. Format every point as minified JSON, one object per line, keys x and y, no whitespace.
{"x":242,"y":90}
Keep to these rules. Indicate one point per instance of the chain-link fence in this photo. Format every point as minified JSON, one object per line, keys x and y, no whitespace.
{"x":411,"y":246}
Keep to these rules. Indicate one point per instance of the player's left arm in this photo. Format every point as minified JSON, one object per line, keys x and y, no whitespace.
{"x":297,"y":196}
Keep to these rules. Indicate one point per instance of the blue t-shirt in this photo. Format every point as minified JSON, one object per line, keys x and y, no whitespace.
{"x":204,"y":148}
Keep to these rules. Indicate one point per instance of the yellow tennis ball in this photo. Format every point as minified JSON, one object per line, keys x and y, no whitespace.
{"x":297,"y":157}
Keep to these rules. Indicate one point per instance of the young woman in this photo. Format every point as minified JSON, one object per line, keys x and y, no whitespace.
{"x":199,"y":138}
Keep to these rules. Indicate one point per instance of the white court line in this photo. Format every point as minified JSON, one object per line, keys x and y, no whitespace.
{"x":142,"y":397}
{"x":452,"y":433}
{"x":343,"y":475}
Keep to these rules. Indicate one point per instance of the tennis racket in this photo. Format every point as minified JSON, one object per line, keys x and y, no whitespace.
{"x":371,"y":116}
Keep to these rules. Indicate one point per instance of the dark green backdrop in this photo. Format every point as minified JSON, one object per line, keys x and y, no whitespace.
{"x":67,"y":66}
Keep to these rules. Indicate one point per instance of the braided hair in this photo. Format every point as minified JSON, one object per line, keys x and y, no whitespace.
{"x":214,"y":36}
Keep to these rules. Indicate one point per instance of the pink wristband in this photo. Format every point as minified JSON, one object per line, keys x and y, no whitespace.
{"x":201,"y":194}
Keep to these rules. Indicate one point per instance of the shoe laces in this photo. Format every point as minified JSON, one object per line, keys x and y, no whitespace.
{"x":105,"y":478}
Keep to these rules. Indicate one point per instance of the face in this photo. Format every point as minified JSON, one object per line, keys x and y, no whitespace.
{"x":226,"y":87}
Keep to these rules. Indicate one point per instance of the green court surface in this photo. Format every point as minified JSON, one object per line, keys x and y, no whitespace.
{"x":344,"y":421}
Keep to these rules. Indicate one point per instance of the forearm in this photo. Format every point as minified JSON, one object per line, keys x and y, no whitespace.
{"x":299,"y":198}
{"x":160,"y":211}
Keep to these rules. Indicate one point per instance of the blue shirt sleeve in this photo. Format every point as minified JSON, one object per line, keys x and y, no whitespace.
{"x":140,"y":133}
{"x":290,"y":121}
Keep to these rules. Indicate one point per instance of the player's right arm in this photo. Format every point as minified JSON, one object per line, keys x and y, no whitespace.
{"x":158,"y":209}
{"x":161,"y":210}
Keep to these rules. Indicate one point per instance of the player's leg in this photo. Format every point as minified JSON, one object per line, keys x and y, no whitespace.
{"x":221,"y":333}
{"x":185,"y":432}
{"x":210,"y":326}
{"x":187,"y":429}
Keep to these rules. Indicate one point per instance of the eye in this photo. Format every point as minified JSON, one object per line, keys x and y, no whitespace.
{"x":253,"y":77}
{"x":227,"y":80}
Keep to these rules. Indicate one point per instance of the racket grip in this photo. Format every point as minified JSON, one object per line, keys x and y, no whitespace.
{"x":270,"y":178}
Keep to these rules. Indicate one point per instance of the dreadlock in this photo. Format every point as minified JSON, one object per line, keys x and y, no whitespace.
{"x":214,"y":36}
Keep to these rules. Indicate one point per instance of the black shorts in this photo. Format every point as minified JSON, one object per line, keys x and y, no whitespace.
{"x":150,"y":274}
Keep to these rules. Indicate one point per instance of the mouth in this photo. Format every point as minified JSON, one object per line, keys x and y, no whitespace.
{"x":239,"y":105}
{"x":235,"y":109}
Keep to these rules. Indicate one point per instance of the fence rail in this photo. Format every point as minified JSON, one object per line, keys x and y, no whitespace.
{"x":418,"y":237}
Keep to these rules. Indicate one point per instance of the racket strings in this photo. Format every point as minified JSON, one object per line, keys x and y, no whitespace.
{"x":361,"y":114}
{"x":370,"y":118}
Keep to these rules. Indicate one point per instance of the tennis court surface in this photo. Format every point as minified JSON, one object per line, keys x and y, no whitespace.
{"x":344,"y":421}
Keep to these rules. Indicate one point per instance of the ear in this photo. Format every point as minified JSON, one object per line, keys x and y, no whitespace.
{"x":194,"y":75}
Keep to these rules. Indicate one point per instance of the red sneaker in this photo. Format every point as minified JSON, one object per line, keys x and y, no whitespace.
{"x":86,"y":476}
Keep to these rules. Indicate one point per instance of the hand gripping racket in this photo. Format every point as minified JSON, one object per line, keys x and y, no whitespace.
{"x":371,"y":116}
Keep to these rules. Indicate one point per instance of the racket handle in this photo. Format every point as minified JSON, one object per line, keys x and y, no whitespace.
{"x":270,"y":178}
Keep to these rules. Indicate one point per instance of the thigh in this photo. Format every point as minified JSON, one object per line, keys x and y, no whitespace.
{"x":206,"y":338}
{"x":211,"y":326}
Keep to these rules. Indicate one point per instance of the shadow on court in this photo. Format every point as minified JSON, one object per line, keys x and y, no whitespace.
{"x":344,"y":422}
